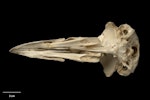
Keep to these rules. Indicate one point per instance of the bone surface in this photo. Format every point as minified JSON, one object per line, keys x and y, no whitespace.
{"x":117,"y":49}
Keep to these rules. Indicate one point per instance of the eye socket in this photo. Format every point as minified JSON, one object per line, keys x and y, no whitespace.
{"x":124,"y":68}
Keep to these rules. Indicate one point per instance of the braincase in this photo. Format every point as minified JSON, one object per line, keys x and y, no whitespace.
{"x":125,"y":45}
{"x":130,"y":42}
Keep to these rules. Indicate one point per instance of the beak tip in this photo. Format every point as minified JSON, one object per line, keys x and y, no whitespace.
{"x":13,"y":50}
{"x":10,"y":50}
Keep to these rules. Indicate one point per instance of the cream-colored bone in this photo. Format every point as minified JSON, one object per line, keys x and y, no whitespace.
{"x":117,"y":48}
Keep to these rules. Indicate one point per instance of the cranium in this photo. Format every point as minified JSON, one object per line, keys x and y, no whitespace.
{"x":117,"y":48}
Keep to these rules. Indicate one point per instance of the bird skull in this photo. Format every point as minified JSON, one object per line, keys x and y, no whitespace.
{"x":117,"y":48}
